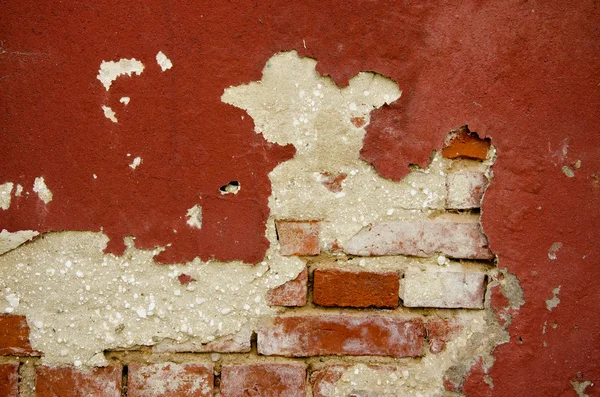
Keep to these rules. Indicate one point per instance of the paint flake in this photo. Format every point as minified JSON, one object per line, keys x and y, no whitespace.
{"x":109,"y":113}
{"x":194,"y":216}
{"x":135,"y":163}
{"x":109,"y":71}
{"x":5,"y":195}
{"x":39,"y":186}
{"x":164,"y":62}
{"x":125,"y":100}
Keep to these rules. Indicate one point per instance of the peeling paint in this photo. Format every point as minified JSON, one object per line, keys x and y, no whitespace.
{"x":568,"y":171}
{"x":554,"y":301}
{"x":580,"y":387}
{"x":39,"y":186}
{"x":554,"y":248}
{"x":18,"y":190}
{"x":10,"y":241}
{"x":5,"y":195}
{"x":135,"y":163}
{"x":125,"y":100}
{"x":109,"y":113}
{"x":164,"y":62}
{"x":194,"y":216}
{"x":110,"y":71}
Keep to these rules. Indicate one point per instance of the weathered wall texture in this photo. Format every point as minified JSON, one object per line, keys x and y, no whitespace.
{"x":280,"y":199}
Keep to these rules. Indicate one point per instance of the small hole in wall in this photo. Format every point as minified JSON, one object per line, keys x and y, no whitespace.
{"x":520,"y":340}
{"x":232,"y":187}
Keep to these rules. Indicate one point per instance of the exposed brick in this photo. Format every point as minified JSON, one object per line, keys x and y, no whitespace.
{"x":334,"y":287}
{"x":333,"y":182}
{"x":323,"y":381}
{"x":421,"y":238}
{"x":304,"y":336}
{"x":440,"y":331}
{"x":443,"y":289}
{"x":466,"y":144}
{"x":464,"y":190}
{"x":263,"y":380}
{"x":14,"y":337}
{"x":239,"y":343}
{"x":292,"y":293}
{"x":298,"y":237}
{"x":9,"y":380}
{"x":170,"y":380}
{"x":70,"y":382}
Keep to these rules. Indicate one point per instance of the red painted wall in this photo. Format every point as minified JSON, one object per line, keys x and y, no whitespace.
{"x":524,"y":73}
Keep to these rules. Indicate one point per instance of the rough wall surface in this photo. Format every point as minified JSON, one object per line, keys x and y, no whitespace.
{"x":117,"y":120}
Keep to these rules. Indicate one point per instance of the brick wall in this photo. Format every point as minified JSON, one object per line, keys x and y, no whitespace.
{"x":357,"y":320}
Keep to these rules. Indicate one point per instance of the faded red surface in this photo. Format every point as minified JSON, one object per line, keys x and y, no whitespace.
{"x":524,"y":73}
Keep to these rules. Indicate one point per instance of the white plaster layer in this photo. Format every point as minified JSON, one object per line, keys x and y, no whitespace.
{"x":5,"y":195}
{"x":83,"y":302}
{"x":10,"y":241}
{"x":125,"y":100}
{"x":39,"y":186}
{"x":135,"y":163}
{"x":164,"y":62}
{"x":110,"y":71}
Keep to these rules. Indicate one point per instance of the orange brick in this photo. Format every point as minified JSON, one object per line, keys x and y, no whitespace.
{"x":466,"y":144}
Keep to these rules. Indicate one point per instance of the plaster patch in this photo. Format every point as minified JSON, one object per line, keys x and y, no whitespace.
{"x":135,"y":163}
{"x":164,"y":62}
{"x":5,"y":195}
{"x":109,"y":113}
{"x":194,"y":216}
{"x":554,"y":301}
{"x":87,"y":302}
{"x":39,"y":186}
{"x":125,"y":100}
{"x":109,"y":71}
{"x":18,"y":190}
{"x":568,"y":171}
{"x":554,"y":248}
{"x":293,"y":104}
{"x":580,"y":387}
{"x":10,"y":241}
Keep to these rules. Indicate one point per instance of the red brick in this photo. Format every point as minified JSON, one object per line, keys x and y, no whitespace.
{"x":421,"y":238}
{"x":170,"y":380}
{"x":333,"y":182}
{"x":466,"y":144}
{"x":263,"y":380}
{"x":298,"y":237}
{"x":440,"y":331}
{"x":475,"y":384}
{"x":305,"y":336}
{"x":14,"y":337}
{"x":464,"y":190}
{"x":292,"y":293}
{"x":9,"y":380}
{"x":334,"y":287}
{"x":70,"y":382}
{"x":323,"y":381}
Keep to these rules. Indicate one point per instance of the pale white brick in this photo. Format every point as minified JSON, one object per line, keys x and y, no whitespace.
{"x":443,"y":289}
{"x":421,"y":238}
{"x":465,"y":190}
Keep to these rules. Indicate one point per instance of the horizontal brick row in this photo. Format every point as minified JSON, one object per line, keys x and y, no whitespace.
{"x":422,"y":238}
